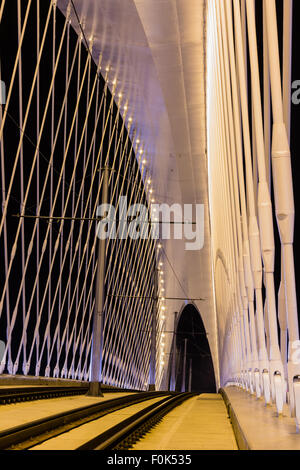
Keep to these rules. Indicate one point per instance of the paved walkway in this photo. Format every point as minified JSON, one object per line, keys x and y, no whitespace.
{"x":260,"y":425}
{"x":200,"y":423}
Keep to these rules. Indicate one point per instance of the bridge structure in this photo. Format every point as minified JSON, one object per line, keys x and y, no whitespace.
{"x":147,"y":184}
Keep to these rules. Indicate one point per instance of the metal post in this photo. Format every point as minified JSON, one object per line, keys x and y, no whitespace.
{"x":184,"y":366}
{"x":173,"y":367}
{"x":190,"y":376}
{"x":97,"y":346}
{"x":153,"y":333}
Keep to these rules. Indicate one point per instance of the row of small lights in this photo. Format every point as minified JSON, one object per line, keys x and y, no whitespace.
{"x":149,"y":190}
{"x":162,"y":313}
{"x":162,"y":309}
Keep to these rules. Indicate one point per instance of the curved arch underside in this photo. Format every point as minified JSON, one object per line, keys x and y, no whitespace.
{"x":194,"y":366}
{"x":156,"y":51}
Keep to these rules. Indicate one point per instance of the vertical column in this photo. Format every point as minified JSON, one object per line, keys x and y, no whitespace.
{"x":153,"y":332}
{"x":173,"y":366}
{"x":283,"y":194}
{"x":184,"y":367}
{"x":97,"y":345}
{"x":190,"y":375}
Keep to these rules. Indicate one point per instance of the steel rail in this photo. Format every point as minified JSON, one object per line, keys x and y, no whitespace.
{"x":123,"y":435}
{"x":18,"y":394}
{"x":29,"y":434}
{"x":27,"y":393}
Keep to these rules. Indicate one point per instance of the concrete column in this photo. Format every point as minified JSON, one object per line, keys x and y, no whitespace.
{"x":183,"y":386}
{"x":190,"y":375}
{"x":173,"y":366}
{"x":97,"y":345}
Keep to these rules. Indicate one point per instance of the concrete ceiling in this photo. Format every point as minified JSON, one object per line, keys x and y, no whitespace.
{"x":156,"y":50}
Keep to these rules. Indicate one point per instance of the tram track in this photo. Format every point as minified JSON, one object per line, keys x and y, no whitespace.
{"x":125,"y":434}
{"x":21,"y":394}
{"x":30,"y":434}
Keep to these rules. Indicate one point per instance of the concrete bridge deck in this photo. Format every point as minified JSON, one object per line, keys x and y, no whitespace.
{"x":257,"y":426}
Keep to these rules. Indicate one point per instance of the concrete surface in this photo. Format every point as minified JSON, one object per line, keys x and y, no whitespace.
{"x":200,"y":423}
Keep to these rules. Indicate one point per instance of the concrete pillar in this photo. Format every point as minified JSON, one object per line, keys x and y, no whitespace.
{"x":97,"y":345}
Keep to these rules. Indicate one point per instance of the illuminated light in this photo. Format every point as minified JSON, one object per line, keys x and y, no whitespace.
{"x":162,"y":281}
{"x":107,"y":69}
{"x":144,"y":162}
{"x":163,"y":307}
{"x":114,"y":82}
{"x":159,"y":245}
{"x":163,"y":335}
{"x":141,"y":151}
{"x":120,"y":95}
{"x":163,"y":290}
{"x":162,"y":363}
{"x":125,"y":107}
{"x":151,"y":191}
{"x":149,"y":181}
{"x":161,"y":272}
{"x":163,"y":317}
{"x":138,"y":141}
{"x":153,"y":200}
{"x":130,"y":119}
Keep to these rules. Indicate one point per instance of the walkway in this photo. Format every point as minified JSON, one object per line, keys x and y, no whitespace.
{"x":258,"y":425}
{"x":201,"y":423}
